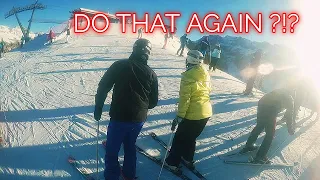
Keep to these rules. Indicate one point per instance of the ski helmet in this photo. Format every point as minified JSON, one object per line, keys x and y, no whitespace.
{"x":142,"y":47}
{"x":194,"y":57}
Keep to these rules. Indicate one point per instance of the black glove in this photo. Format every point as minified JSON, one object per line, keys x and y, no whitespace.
{"x":97,"y":114}
{"x":175,"y":122}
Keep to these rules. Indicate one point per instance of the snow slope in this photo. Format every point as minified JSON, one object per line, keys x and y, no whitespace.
{"x":47,"y":102}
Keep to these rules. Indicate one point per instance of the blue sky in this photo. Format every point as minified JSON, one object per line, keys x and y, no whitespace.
{"x":58,"y":10}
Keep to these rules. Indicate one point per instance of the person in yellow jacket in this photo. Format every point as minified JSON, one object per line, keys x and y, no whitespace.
{"x":194,"y":110}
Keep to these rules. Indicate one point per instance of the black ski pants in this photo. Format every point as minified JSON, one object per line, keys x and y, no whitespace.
{"x":266,"y":120}
{"x":181,"y":48}
{"x":184,"y":141}
{"x":250,"y":82}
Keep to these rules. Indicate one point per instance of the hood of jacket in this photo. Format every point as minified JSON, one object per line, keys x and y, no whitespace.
{"x":196,"y":73}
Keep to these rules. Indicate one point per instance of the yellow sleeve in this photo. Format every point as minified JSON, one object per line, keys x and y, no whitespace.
{"x":184,"y":97}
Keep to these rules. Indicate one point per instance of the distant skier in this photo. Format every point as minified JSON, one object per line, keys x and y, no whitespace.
{"x":194,"y":111}
{"x":269,"y":106}
{"x":183,"y":42}
{"x":255,"y":63}
{"x":68,"y":35}
{"x":204,"y":45}
{"x":51,"y":36}
{"x":140,"y":30}
{"x":135,"y":90}
{"x":166,"y":36}
{"x":2,"y":46}
{"x":215,"y":57}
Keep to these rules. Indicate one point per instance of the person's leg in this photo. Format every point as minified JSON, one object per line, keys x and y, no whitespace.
{"x":192,"y":131}
{"x":182,"y":49}
{"x":270,"y":127}
{"x":258,"y":128}
{"x":250,"y":84}
{"x":179,"y":50}
{"x":115,"y":135}
{"x":178,"y":145}
{"x":130,"y":158}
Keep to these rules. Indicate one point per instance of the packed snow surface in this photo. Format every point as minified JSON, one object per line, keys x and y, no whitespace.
{"x":47,"y":103}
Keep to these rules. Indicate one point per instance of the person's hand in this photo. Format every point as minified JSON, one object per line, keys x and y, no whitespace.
{"x":175,"y":122}
{"x":97,"y":114}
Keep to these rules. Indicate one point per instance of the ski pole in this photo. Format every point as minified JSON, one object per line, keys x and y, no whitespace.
{"x":171,"y":137}
{"x":97,"y":150}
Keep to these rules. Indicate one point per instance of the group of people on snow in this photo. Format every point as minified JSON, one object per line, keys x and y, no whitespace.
{"x":135,"y":90}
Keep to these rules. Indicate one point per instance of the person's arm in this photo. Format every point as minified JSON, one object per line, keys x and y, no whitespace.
{"x":153,"y":97}
{"x":184,"y":98}
{"x":105,"y":85}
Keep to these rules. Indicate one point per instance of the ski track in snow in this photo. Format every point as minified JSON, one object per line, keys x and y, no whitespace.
{"x":47,"y":103}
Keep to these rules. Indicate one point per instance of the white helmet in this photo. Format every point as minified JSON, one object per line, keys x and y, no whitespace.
{"x":194,"y":57}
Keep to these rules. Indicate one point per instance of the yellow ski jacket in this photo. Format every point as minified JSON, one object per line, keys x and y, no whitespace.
{"x":194,"y":100}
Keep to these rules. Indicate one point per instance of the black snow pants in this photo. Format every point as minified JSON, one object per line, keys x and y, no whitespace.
{"x":181,"y":48}
{"x":184,"y":141}
{"x":266,"y":120}
{"x":250,"y":83}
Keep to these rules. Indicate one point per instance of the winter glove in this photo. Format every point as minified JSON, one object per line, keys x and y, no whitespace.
{"x":175,"y":122}
{"x":97,"y":114}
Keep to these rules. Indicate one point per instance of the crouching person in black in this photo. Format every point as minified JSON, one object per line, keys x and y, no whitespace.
{"x":269,"y":106}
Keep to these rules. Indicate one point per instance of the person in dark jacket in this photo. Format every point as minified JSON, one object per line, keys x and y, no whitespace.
{"x":204,"y":45}
{"x":183,"y":42}
{"x":269,"y":106}
{"x":135,"y":90}
{"x":254,"y":64}
{"x":2,"y":46}
{"x":140,"y":31}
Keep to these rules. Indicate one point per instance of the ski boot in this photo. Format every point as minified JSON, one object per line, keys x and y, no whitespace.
{"x":261,"y":160}
{"x":176,"y":168}
{"x":249,"y":149}
{"x":188,"y":164}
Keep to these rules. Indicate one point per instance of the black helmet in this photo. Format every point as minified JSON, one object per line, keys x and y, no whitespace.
{"x":142,"y":48}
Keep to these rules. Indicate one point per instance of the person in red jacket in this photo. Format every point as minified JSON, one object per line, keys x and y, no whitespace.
{"x":51,"y":36}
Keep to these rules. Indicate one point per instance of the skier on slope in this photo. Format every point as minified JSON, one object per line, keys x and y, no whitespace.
{"x":51,"y":36}
{"x":269,"y":106}
{"x":183,"y":42}
{"x":140,"y":30}
{"x":68,"y":34}
{"x":135,"y":90}
{"x":255,"y":63}
{"x":2,"y":46}
{"x":194,"y":110}
{"x":215,"y":57}
{"x":166,"y":36}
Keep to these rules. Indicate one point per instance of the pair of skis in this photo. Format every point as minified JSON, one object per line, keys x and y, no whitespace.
{"x":250,"y":163}
{"x":158,"y":161}
{"x":164,"y":145}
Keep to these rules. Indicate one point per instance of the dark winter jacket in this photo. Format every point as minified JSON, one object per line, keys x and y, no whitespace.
{"x":276,"y":101}
{"x":135,"y":90}
{"x":183,"y":39}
